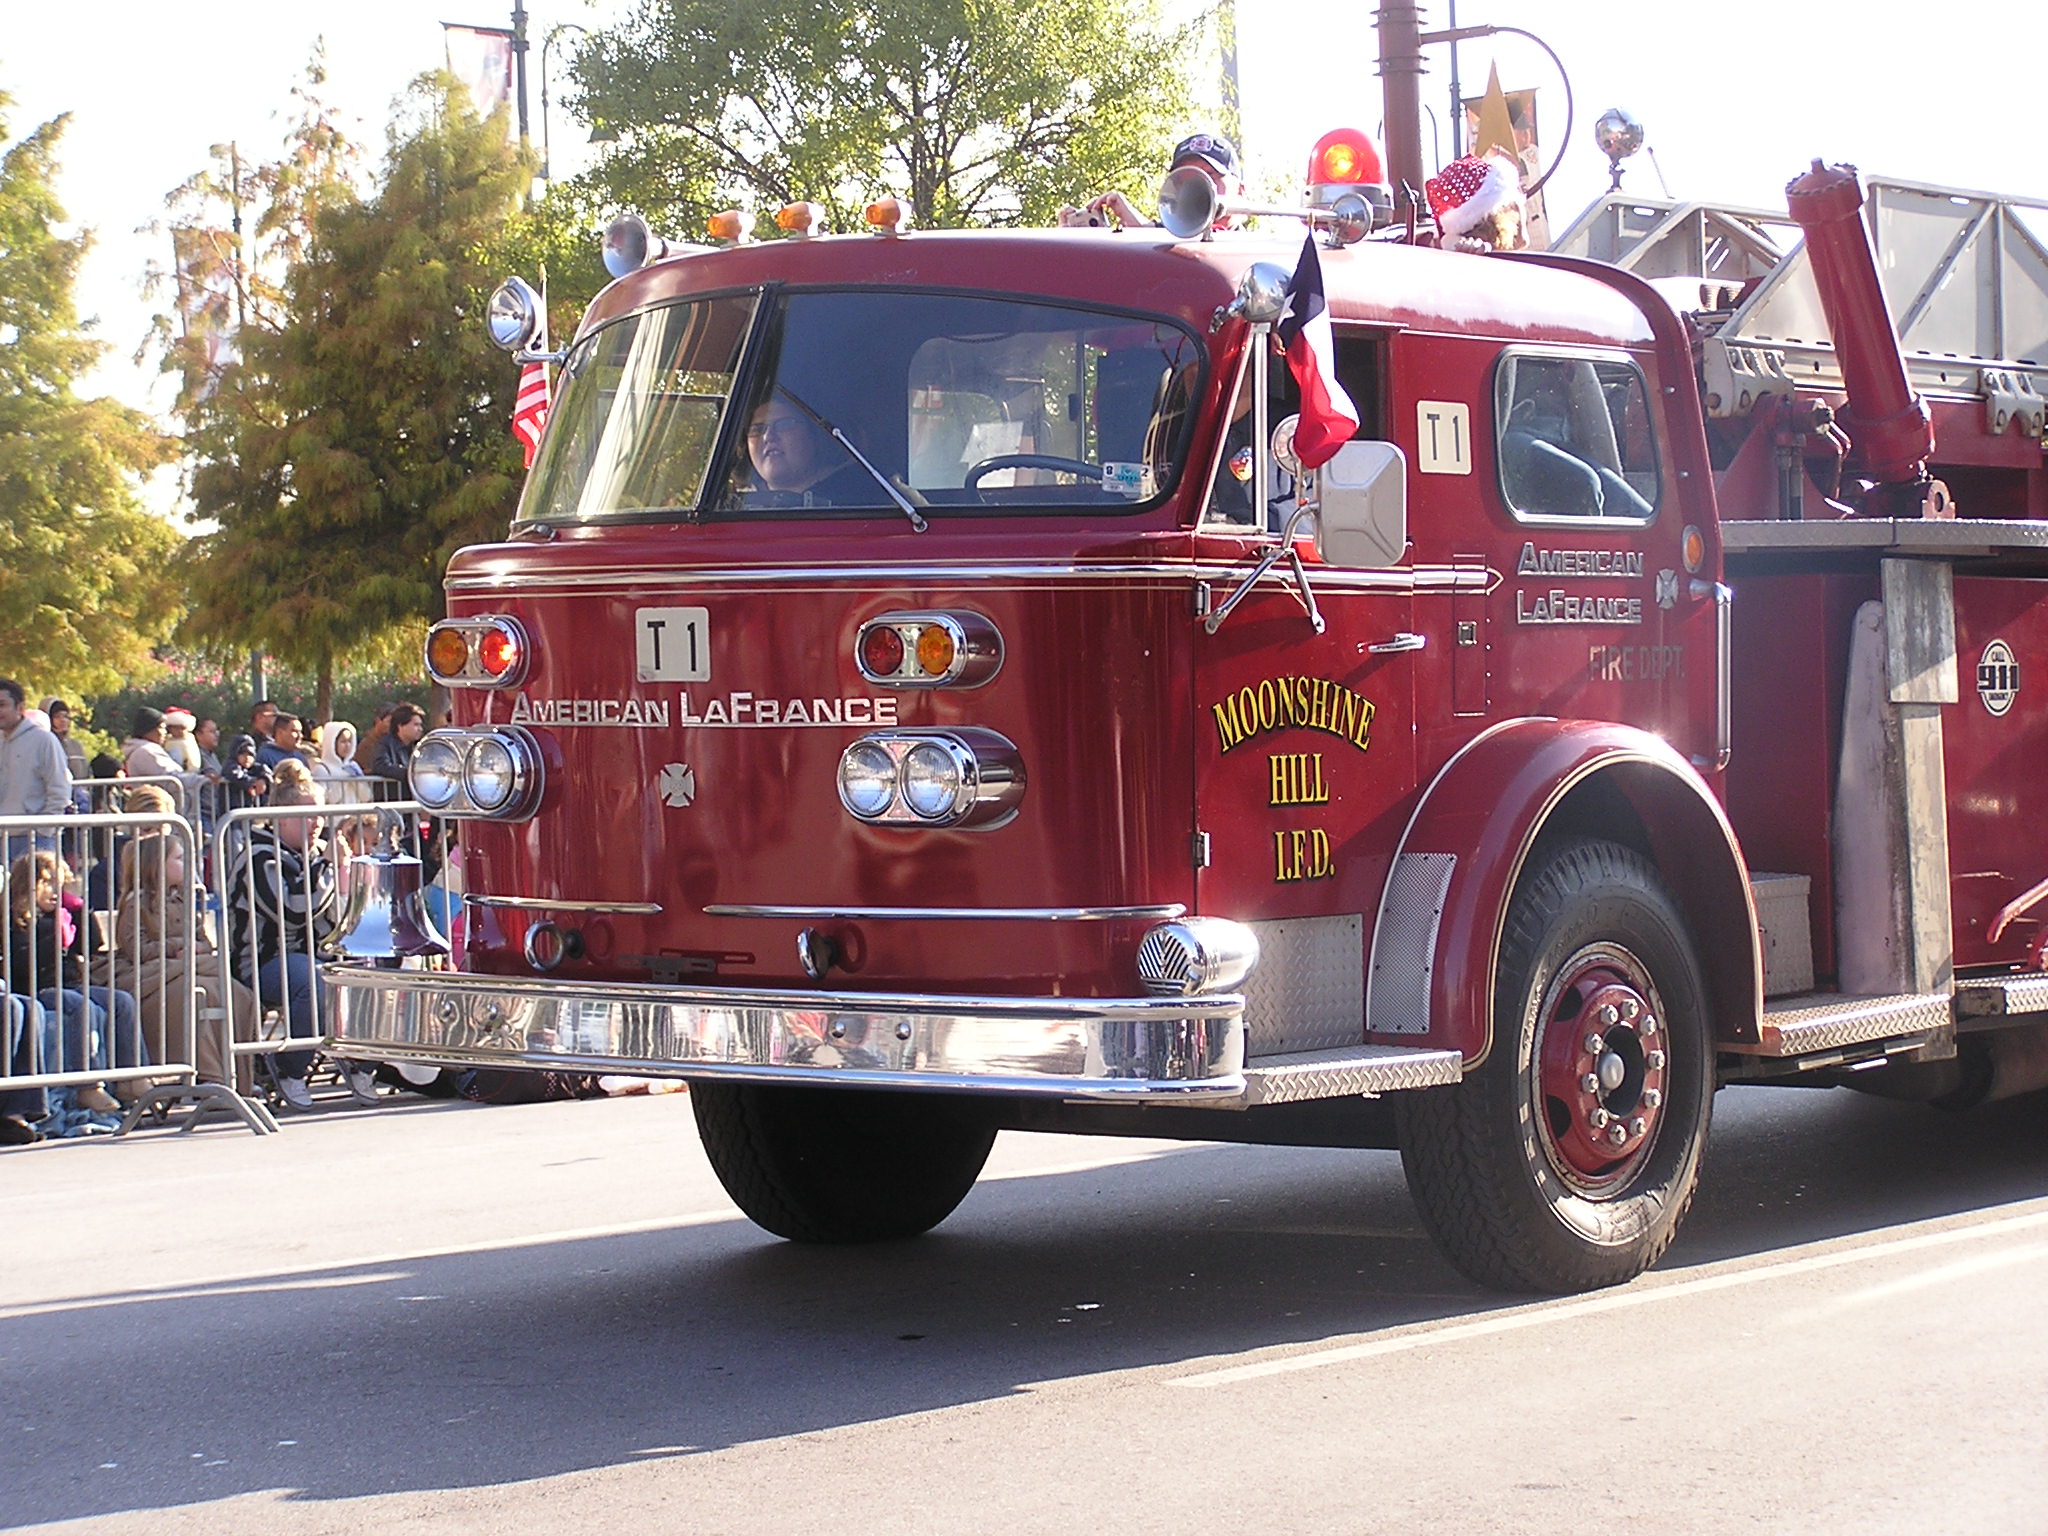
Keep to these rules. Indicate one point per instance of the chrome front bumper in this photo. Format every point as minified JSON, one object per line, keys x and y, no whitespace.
{"x":1176,"y":1049}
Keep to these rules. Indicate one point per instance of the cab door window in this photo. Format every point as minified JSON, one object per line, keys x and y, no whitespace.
{"x":1574,"y":438}
{"x":1233,"y":501}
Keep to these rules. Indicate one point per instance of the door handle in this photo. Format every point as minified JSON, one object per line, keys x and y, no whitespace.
{"x":1405,"y":641}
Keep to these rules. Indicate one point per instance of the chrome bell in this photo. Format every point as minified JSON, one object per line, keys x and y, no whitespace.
{"x":387,"y":920}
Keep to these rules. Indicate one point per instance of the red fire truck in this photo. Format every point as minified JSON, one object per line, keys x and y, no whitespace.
{"x":916,"y":700}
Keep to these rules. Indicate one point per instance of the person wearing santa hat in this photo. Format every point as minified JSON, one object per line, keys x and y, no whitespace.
{"x":1477,"y":201}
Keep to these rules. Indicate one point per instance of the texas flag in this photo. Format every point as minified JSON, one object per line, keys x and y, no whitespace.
{"x":530,"y":414}
{"x":1328,"y":418}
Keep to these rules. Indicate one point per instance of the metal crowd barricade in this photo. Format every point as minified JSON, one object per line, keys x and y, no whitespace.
{"x":123,"y":1005}
{"x":284,"y":913}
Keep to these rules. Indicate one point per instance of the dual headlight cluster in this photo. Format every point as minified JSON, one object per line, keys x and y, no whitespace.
{"x":493,"y":771}
{"x":963,"y":777}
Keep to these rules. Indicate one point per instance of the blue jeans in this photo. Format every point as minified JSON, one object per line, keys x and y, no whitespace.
{"x":286,"y":982}
{"x":87,"y":1045}
{"x":25,"y":1024}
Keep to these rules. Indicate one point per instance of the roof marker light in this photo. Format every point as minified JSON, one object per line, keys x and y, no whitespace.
{"x":802,"y":220}
{"x":887,"y":215}
{"x":733,"y":226}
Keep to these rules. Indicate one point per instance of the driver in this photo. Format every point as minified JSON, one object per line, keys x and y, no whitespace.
{"x":792,"y":457}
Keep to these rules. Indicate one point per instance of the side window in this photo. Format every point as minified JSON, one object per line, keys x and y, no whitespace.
{"x":1575,"y":437}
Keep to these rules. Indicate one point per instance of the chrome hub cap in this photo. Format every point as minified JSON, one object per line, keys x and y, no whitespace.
{"x":1598,"y":1070}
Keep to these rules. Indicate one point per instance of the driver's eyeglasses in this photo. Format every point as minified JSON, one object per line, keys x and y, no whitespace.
{"x":781,"y":426}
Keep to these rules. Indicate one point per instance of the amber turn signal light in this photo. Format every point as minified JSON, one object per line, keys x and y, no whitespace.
{"x":448,"y":652}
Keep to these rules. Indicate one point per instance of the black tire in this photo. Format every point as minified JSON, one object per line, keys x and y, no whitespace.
{"x":1513,"y":1168}
{"x":841,"y":1165}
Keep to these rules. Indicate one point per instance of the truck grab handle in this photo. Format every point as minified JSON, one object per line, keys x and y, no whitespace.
{"x":1724,"y":652}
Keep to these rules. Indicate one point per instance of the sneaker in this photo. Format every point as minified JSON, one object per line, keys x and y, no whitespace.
{"x":361,"y":1080}
{"x":295,"y":1093}
{"x":96,"y":1099}
{"x":17,"y":1133}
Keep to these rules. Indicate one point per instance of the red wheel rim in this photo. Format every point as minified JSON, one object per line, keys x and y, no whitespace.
{"x":1599,"y":1069}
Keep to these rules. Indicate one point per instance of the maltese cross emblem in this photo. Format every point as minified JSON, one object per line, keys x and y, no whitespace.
{"x":678,"y":785}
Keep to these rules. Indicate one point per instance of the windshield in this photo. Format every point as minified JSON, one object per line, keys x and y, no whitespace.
{"x":958,"y":402}
{"x":637,"y":411}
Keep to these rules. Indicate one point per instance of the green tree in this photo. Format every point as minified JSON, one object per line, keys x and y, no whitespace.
{"x":979,"y":111}
{"x":83,"y":590}
{"x":375,"y":435}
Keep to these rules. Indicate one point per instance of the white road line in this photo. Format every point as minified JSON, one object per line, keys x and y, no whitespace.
{"x":230,"y":1285}
{"x":202,"y":1293}
{"x":225,"y":1285}
{"x":1426,"y":1335}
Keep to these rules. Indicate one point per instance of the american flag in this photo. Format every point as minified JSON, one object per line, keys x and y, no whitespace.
{"x":530,"y":413}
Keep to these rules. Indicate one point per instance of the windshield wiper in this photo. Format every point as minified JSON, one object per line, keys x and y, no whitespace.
{"x":917,"y":521}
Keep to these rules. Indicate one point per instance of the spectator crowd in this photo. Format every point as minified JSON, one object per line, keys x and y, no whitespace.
{"x":62,"y":1009}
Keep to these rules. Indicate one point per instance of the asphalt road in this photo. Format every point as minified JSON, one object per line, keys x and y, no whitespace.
{"x":548,"y":1317}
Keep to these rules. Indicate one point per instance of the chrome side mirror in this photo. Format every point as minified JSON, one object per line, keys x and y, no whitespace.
{"x":1363,"y":517}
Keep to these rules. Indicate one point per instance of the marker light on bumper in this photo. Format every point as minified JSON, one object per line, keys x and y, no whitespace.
{"x":1196,"y":954}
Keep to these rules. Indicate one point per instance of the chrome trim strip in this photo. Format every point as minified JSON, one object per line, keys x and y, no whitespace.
{"x":1177,"y":1049}
{"x":536,"y":904}
{"x":639,"y":578}
{"x":944,"y":914}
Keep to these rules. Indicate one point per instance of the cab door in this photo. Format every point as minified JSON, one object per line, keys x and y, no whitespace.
{"x":1304,"y":759}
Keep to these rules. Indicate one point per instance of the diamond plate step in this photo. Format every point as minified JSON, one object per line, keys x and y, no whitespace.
{"x":1345,"y":1073}
{"x":1984,"y":997}
{"x":1825,"y":1021}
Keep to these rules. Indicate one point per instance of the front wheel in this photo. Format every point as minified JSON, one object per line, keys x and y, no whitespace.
{"x":841,"y":1165}
{"x":1567,"y":1159}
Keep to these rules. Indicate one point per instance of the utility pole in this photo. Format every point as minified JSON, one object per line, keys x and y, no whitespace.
{"x":1457,"y":94}
{"x":519,"y":63}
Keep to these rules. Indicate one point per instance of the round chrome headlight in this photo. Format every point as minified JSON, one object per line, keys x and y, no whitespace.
{"x":436,"y":772}
{"x":931,"y":780}
{"x":867,"y":778}
{"x":489,"y":775}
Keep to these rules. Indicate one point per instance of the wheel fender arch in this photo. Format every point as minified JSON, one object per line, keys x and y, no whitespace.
{"x":1437,"y":936}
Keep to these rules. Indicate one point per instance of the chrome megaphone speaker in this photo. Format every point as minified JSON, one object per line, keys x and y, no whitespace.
{"x":387,"y":921}
{"x":630,"y":245}
{"x":1188,"y":204}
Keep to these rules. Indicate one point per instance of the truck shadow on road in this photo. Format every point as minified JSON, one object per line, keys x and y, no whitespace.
{"x":478,"y":1368}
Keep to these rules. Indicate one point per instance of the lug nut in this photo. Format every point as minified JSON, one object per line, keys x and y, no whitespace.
{"x":1589,"y":1083}
{"x":1598,"y":1118}
{"x":1617,"y":1133}
{"x":1652,"y":1097}
{"x":1649,"y":1025}
{"x":1594,"y":1045}
{"x":1637,"y":1126}
{"x":1608,"y":1015}
{"x":1630,"y":1008}
{"x":1654,"y":1060}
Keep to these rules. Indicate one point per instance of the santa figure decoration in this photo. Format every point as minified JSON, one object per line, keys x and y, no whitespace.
{"x":1477,"y":200}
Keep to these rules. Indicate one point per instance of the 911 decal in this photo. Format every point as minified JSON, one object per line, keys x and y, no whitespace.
{"x":1998,"y":677}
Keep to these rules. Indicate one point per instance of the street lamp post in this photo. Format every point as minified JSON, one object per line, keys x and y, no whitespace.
{"x":546,"y":153}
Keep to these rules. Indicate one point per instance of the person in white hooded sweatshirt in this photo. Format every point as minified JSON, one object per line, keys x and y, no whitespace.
{"x":341,"y":776}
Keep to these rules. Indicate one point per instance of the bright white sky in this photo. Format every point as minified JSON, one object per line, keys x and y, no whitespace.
{"x":1736,"y":100}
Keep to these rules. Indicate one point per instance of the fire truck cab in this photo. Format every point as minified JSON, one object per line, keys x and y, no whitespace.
{"x":917,"y":699}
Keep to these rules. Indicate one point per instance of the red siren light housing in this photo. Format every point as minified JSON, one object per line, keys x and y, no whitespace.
{"x":1345,"y":157}
{"x":1346,"y":162}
